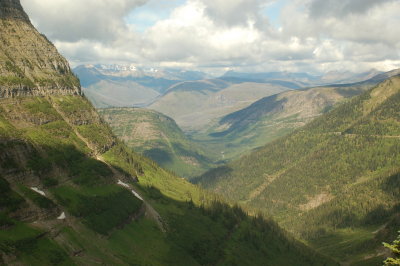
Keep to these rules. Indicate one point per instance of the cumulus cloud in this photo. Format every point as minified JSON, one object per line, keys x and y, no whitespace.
{"x":321,"y":8}
{"x":234,"y":12}
{"x":312,"y":35}
{"x":351,"y":32}
{"x":74,"y":20}
{"x":190,"y":34}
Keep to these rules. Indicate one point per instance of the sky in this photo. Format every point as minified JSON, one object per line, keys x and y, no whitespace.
{"x":214,"y":36}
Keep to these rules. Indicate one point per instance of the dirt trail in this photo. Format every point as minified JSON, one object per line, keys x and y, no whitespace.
{"x":151,"y":213}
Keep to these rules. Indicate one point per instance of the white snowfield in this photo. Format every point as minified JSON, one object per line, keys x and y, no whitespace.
{"x":38,"y":191}
{"x":62,"y":216}
{"x":123,"y":184}
{"x":127,"y":186}
{"x":137,"y":195}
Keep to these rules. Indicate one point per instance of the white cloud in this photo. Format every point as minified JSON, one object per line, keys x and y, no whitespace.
{"x":349,"y":32}
{"x":73,"y":20}
{"x":323,"y":8}
{"x":313,"y":34}
{"x":234,"y":12}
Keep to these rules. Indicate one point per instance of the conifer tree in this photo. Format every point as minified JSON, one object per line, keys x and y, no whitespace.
{"x":395,"y":248}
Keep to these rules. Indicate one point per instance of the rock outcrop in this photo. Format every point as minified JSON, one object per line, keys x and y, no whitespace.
{"x":12,"y":9}
{"x":30,"y":64}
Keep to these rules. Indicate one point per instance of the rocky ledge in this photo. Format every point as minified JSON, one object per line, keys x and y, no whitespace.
{"x":23,"y":91}
{"x":12,"y":9}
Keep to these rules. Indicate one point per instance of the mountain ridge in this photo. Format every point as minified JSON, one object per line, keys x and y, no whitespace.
{"x":277,"y":115}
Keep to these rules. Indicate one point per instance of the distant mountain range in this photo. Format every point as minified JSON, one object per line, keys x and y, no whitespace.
{"x":127,"y":85}
{"x":305,"y":79}
{"x":133,"y":86}
{"x":90,"y":74}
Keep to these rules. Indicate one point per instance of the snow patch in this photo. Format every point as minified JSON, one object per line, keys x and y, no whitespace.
{"x":62,"y":216}
{"x":137,"y":195}
{"x":123,"y":184}
{"x":38,"y":191}
{"x":127,"y":186}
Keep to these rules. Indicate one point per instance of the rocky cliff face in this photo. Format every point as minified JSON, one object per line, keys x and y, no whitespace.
{"x":12,"y":9}
{"x":29,"y":63}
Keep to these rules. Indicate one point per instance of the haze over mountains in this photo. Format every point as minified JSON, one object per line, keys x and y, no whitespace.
{"x":130,"y":85}
{"x":127,"y":85}
{"x":205,"y":99}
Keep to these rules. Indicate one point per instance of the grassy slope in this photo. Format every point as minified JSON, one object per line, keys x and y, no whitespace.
{"x":158,"y":137}
{"x":334,"y":182}
{"x":60,"y":145}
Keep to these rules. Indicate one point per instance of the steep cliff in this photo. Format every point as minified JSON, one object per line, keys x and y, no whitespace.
{"x":12,"y":10}
{"x":29,"y":62}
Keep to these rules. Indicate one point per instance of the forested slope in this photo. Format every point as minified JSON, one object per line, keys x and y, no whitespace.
{"x":335,"y":179}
